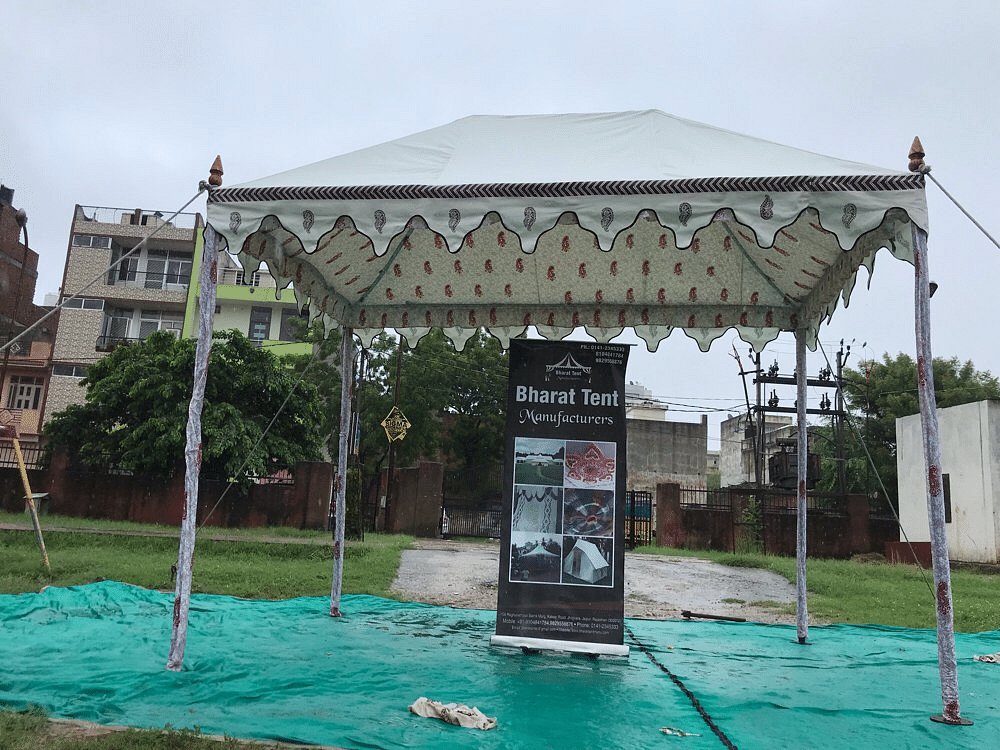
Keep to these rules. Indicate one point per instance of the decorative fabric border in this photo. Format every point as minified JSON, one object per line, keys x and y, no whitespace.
{"x":569,"y":189}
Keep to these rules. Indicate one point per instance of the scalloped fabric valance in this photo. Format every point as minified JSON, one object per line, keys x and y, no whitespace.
{"x":604,"y":222}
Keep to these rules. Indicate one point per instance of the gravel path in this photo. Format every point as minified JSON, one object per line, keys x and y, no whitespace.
{"x":464,"y":574}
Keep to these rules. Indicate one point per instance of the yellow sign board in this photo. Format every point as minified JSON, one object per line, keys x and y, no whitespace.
{"x":395,"y":424}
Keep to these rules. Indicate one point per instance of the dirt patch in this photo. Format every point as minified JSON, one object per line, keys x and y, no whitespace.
{"x":464,"y":574}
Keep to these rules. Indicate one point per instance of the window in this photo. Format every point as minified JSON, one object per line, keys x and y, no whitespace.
{"x":947,"y":496}
{"x":288,"y":328}
{"x":167,"y":269}
{"x":25,"y":392}
{"x":157,"y":320}
{"x":91,"y":240}
{"x":260,"y":324}
{"x":84,"y":303}
{"x":122,"y":270}
{"x":73,"y":371}
{"x":127,"y":268}
{"x":241,"y":278}
{"x":116,"y":323}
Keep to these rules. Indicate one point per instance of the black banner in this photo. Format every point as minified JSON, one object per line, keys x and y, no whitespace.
{"x":562,"y":555}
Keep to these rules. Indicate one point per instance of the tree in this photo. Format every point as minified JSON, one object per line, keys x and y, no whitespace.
{"x":454,"y":400}
{"x":135,"y":412}
{"x":879,"y":392}
{"x":469,"y":389}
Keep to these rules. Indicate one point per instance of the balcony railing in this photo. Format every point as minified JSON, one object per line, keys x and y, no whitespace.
{"x":129,"y":216}
{"x":108,"y":343}
{"x":174,"y":282}
{"x":32,"y":455}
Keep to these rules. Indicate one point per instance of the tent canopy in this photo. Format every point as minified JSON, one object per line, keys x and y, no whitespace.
{"x":610,"y":221}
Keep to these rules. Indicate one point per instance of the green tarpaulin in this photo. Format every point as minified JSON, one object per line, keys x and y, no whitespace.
{"x":286,"y":670}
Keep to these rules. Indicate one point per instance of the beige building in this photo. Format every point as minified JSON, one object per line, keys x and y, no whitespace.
{"x":970,"y":480}
{"x":142,"y":293}
{"x":660,"y":450}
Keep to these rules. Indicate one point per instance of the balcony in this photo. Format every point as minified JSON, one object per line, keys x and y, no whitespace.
{"x":109,"y":343}
{"x":158,"y":280}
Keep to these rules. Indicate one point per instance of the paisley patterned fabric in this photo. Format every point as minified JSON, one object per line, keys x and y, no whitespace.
{"x":604,"y":222}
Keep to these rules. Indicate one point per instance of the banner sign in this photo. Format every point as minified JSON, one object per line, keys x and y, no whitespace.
{"x":562,"y":555}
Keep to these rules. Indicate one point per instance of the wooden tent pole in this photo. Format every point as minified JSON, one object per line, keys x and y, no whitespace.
{"x":947,"y":665}
{"x":340,"y":486}
{"x":801,"y":609}
{"x":192,"y":451}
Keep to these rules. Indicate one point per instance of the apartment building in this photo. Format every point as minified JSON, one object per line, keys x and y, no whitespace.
{"x":247,"y":301}
{"x":24,"y":366}
{"x":112,"y":297}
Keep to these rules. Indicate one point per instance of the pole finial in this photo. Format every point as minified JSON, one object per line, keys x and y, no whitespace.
{"x":917,"y":156}
{"x":215,"y":173}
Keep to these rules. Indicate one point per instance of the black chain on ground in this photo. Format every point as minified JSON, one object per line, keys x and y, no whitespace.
{"x":691,"y":697}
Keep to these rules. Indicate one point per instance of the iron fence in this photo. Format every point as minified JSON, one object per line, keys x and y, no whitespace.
{"x":769,"y":499}
{"x":32,"y":455}
{"x":638,"y":518}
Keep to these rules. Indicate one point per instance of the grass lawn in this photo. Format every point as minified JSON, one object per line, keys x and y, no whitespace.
{"x":248,"y":567}
{"x":860,"y":593}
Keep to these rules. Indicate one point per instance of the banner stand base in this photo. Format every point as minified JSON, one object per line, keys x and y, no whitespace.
{"x":579,"y":647}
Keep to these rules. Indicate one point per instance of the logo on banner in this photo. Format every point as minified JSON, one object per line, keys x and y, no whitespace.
{"x":569,"y":369}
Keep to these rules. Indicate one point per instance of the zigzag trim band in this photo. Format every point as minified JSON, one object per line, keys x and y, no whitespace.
{"x":570,"y":189}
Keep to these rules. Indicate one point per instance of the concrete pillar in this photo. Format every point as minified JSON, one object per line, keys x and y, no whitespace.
{"x":669,"y":521}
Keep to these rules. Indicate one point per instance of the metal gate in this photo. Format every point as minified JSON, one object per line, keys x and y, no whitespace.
{"x":471,"y":503}
{"x":471,"y":520}
{"x":638,"y":518}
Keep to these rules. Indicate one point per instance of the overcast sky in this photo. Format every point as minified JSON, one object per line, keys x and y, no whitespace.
{"x":126,"y":104}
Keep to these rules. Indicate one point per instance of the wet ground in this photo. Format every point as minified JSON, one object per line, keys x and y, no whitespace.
{"x":464,"y":574}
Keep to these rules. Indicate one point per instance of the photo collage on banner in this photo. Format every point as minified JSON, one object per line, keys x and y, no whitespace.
{"x":563,"y":520}
{"x":563,"y":559}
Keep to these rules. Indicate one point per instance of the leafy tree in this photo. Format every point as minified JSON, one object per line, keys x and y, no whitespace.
{"x":879,"y":392}
{"x":135,"y":413}
{"x":469,"y":390}
{"x":375,"y":369}
{"x":453,"y":400}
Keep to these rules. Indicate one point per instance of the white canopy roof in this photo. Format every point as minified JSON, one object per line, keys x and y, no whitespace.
{"x":605,"y":221}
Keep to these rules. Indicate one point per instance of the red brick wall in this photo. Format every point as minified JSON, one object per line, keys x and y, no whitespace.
{"x":87,"y":494}
{"x":832,"y":535}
